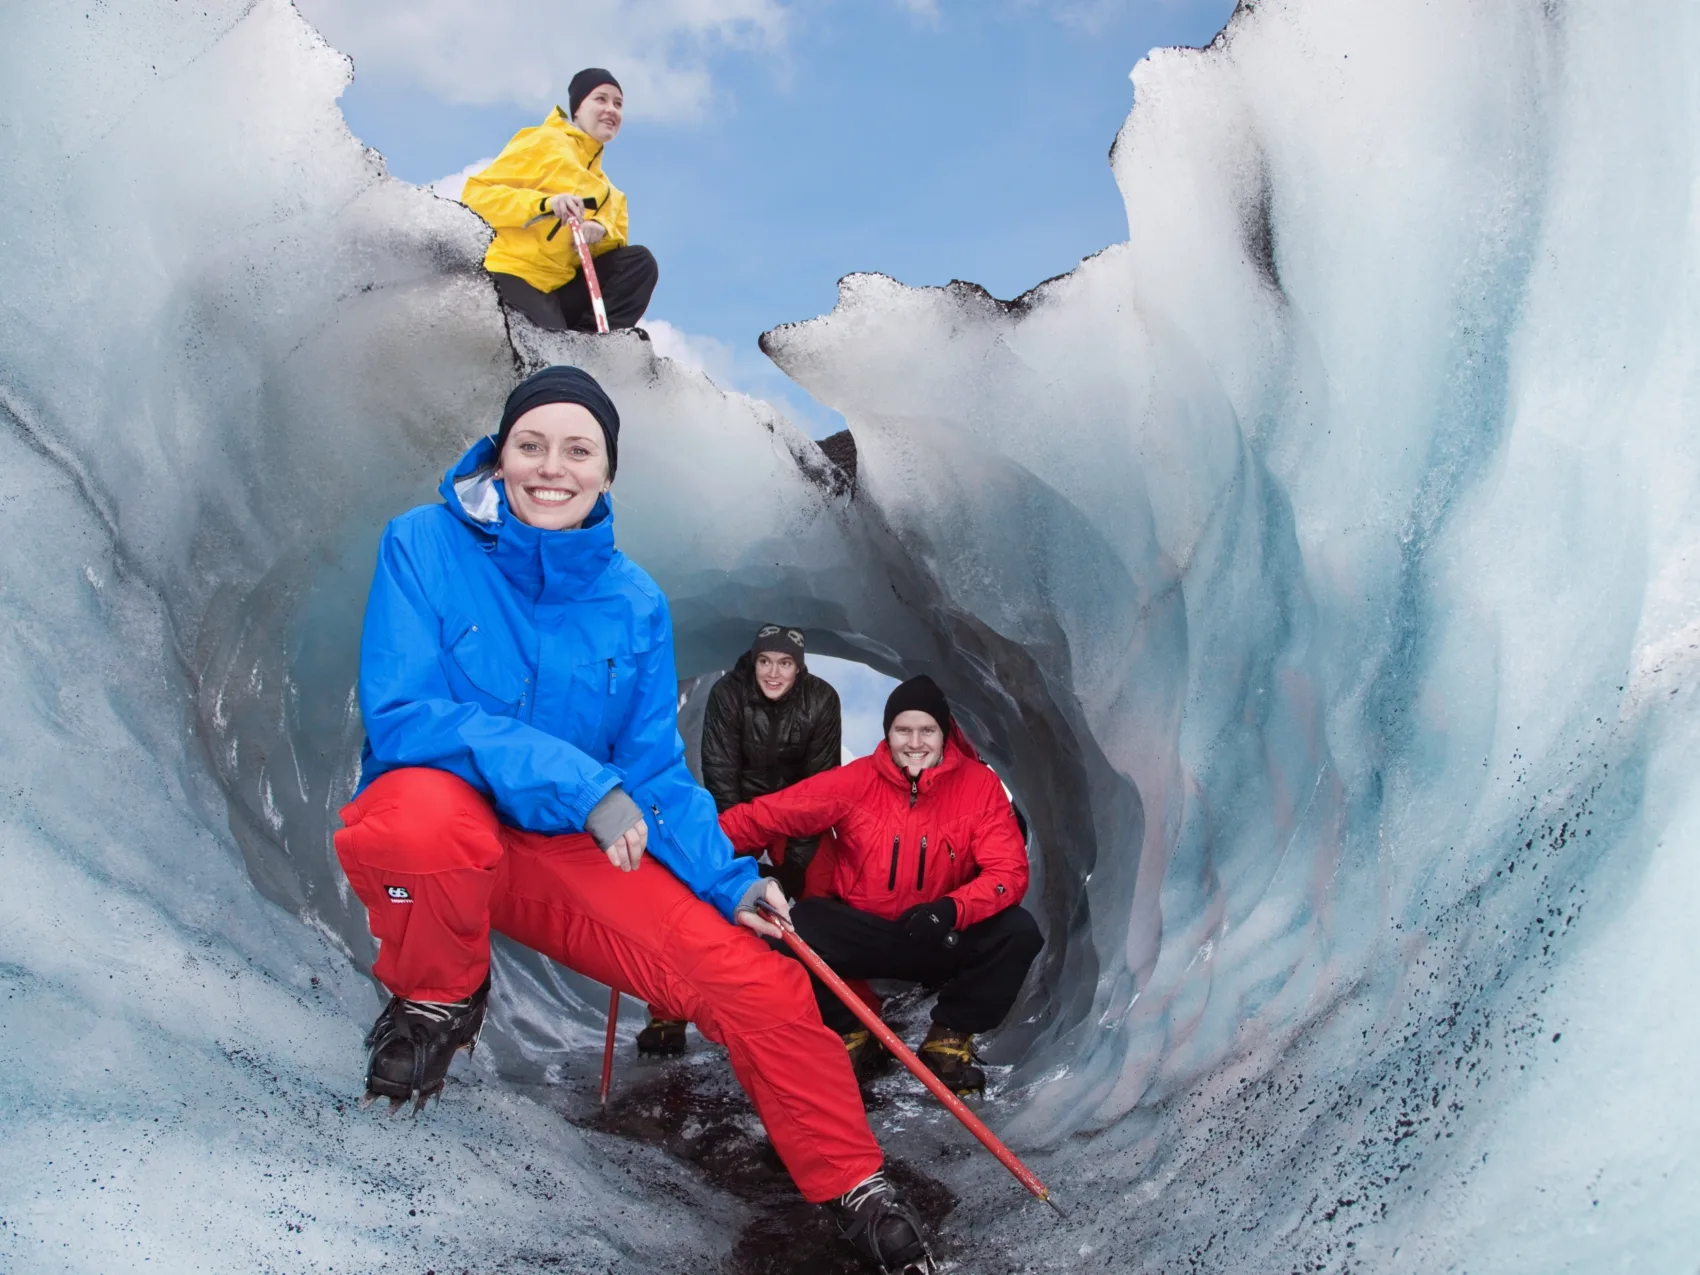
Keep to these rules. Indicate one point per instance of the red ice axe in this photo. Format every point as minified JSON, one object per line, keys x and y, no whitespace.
{"x":583,"y":250}
{"x":857,"y":1006}
{"x":589,"y":275}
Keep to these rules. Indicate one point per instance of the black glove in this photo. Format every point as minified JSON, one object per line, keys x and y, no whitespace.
{"x":931,"y":924}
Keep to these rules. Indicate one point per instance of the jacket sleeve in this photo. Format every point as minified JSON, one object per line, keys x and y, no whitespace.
{"x":723,"y":744}
{"x":805,"y":809}
{"x":1001,"y":857}
{"x":825,"y":751}
{"x":533,"y":779}
{"x":515,"y":187}
{"x":826,"y":737}
{"x":683,"y":831}
{"x":611,"y":218}
{"x":532,"y":168}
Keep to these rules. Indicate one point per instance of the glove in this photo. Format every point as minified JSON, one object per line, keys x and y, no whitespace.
{"x":931,"y":924}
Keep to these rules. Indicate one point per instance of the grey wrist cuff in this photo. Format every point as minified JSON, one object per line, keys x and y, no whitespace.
{"x":612,"y":817}
{"x":753,"y":891}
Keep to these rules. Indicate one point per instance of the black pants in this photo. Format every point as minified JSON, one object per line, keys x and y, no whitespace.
{"x":980,"y":976}
{"x":627,"y":277}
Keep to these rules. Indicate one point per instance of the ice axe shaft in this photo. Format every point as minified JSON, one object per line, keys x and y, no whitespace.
{"x":608,"y":1045}
{"x":857,"y":1006}
{"x":589,"y":275}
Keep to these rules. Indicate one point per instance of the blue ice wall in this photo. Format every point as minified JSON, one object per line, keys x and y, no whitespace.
{"x":1319,"y":566}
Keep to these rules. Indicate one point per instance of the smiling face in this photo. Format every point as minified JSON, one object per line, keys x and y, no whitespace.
{"x":915,"y":740}
{"x":600,"y":112}
{"x":555,"y":465}
{"x":775,"y":674}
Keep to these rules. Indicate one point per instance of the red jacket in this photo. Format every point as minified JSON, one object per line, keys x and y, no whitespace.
{"x":951,"y":832}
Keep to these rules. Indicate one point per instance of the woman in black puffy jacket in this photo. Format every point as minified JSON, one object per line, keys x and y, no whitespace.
{"x":769,"y":723}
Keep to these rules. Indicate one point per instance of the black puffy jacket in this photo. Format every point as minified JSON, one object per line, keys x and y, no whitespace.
{"x":753,"y":746}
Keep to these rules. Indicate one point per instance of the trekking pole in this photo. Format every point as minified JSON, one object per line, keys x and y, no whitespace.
{"x":608,"y":1045}
{"x":589,"y":275}
{"x":857,"y":1006}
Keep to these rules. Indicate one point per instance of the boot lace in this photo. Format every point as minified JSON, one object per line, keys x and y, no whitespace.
{"x":437,"y":1011}
{"x":874,"y":1186}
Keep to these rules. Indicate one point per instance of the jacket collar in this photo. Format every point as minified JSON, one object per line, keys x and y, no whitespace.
{"x":546,"y":566}
{"x":957,"y":752}
{"x":588,"y":148}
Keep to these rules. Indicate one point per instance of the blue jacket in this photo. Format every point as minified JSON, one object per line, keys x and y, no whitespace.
{"x":537,"y":666}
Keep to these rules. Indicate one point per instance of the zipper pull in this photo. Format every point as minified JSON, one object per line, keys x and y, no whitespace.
{"x":921,"y":867}
{"x":610,"y":674}
{"x":914,"y":790}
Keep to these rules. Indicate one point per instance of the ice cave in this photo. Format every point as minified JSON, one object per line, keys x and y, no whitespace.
{"x":1342,"y":661}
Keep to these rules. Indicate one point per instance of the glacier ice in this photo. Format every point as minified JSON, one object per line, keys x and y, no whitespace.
{"x":1319,"y":567}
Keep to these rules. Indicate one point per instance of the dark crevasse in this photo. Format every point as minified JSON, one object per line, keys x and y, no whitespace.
{"x":1317,"y":567}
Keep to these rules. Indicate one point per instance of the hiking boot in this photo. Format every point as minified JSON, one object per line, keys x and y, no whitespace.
{"x":664,"y":1037}
{"x":882,"y":1226}
{"x":949,"y":1055}
{"x":867,"y":1055}
{"x":412,"y":1043}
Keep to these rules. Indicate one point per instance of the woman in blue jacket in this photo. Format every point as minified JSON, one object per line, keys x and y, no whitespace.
{"x":523,"y":771}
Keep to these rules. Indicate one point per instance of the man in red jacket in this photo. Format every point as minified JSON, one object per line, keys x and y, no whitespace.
{"x":931,"y":872}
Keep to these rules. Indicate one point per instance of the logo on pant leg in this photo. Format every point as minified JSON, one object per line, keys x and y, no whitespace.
{"x":398,"y":894}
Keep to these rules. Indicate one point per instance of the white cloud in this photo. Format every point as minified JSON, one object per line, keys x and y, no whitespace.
{"x":704,"y":353}
{"x":742,"y":371}
{"x":523,"y":52}
{"x":450,"y":187}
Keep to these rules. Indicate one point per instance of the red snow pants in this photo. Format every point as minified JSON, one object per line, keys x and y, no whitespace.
{"x":437,"y":872}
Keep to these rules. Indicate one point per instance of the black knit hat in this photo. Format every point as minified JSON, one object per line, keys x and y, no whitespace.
{"x":562,"y":384}
{"x":584,"y":84}
{"x":780,"y":641}
{"x":919,"y":692}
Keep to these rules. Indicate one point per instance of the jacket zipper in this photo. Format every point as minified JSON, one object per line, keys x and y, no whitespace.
{"x":610,"y":674}
{"x":921,"y":871}
{"x":891,"y":881}
{"x":914,"y":790}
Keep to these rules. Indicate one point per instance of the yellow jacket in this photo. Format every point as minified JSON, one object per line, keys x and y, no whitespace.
{"x":555,"y":158}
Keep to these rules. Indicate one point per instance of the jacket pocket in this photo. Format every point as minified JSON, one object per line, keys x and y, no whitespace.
{"x":604,"y":686}
{"x":489,"y":669}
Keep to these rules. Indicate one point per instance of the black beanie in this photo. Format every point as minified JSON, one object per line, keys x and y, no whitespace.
{"x":770,"y":637}
{"x":584,"y":84}
{"x":918,"y":692}
{"x":561,"y":384}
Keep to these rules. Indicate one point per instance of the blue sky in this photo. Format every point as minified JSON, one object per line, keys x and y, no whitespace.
{"x":772,"y":147}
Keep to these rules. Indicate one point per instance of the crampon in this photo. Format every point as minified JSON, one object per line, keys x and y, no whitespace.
{"x":883,"y":1227}
{"x":412,"y":1044}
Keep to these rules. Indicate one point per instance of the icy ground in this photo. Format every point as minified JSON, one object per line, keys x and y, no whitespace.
{"x":1319,"y":567}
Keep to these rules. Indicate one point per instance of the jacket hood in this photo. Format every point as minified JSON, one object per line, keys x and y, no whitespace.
{"x":589,"y":149}
{"x":556,"y":564}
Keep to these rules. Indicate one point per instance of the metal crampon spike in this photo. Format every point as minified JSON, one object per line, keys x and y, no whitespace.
{"x":396,"y":1104}
{"x":367,"y":1099}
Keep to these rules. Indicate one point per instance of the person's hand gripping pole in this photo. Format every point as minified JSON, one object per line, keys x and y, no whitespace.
{"x":857,"y":1006}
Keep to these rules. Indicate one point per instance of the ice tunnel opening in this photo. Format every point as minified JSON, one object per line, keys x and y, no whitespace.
{"x":278,"y":716}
